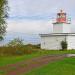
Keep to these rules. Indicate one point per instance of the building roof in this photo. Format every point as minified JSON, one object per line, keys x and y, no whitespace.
{"x":57,"y":34}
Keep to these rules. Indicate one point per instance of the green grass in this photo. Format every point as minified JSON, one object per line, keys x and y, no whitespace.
{"x":4,"y":60}
{"x":63,"y":67}
{"x":14,"y":59}
{"x":2,"y":72}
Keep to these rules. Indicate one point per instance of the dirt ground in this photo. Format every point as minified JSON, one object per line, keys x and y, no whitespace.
{"x":26,"y":66}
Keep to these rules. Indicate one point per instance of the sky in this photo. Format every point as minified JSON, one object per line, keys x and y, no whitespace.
{"x":36,"y":16}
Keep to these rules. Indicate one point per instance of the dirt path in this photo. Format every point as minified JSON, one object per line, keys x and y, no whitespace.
{"x":25,"y":66}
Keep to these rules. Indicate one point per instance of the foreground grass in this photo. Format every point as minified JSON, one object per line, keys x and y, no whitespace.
{"x":63,"y":67}
{"x":4,"y":60}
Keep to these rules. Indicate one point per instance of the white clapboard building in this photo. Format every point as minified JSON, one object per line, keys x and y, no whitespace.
{"x":61,"y":32}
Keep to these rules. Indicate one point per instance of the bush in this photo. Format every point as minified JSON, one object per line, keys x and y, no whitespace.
{"x":34,"y":46}
{"x":64,"y":45}
{"x":15,"y":42}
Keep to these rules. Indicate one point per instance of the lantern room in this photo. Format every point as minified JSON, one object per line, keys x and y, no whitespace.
{"x":61,"y":17}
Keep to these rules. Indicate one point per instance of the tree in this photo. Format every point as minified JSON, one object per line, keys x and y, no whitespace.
{"x":15,"y":42}
{"x":3,"y":16}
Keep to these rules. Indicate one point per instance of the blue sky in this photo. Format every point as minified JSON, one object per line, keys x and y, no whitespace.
{"x":35,"y":16}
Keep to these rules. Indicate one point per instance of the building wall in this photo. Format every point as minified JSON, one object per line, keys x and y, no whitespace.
{"x":71,"y":42}
{"x":52,"y":42}
{"x":57,"y":28}
{"x":61,"y":28}
{"x":66,"y":28}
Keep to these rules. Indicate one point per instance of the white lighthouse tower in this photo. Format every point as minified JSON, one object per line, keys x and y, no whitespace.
{"x":61,"y":32}
{"x":62,"y":24}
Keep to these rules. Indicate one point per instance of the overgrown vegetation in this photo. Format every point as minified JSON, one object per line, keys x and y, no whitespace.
{"x":18,"y":50}
{"x":17,"y":47}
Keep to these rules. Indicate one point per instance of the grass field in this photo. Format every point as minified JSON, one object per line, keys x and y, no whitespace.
{"x":4,"y":60}
{"x":63,"y":67}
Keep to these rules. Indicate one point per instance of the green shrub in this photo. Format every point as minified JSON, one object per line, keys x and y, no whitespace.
{"x":64,"y":45}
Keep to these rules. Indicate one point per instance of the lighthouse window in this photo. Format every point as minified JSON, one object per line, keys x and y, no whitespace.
{"x":61,"y":16}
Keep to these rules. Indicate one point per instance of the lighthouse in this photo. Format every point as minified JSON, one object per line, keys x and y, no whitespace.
{"x":61,"y":32}
{"x":62,"y":24}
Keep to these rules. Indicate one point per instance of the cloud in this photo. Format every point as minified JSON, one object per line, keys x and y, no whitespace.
{"x":29,"y":26}
{"x":33,"y":16}
{"x":30,"y":7}
{"x":40,"y":7}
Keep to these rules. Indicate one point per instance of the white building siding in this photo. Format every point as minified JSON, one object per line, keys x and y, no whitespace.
{"x":51,"y":42}
{"x":71,"y":42}
{"x":66,"y":28}
{"x":57,"y":28}
{"x":61,"y":28}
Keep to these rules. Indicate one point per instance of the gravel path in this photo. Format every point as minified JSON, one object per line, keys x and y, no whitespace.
{"x":25,"y":66}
